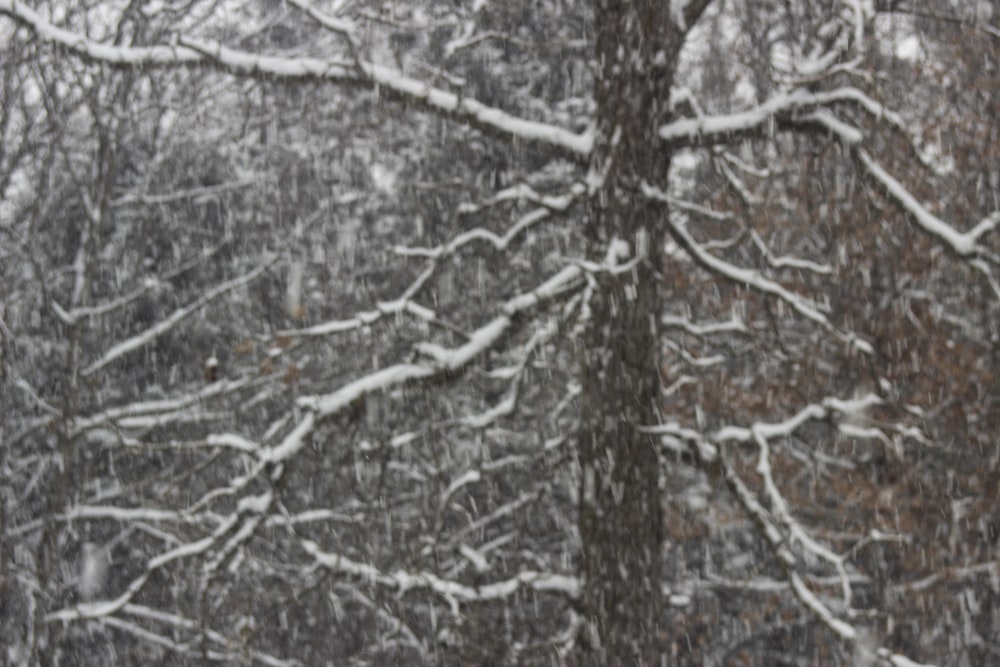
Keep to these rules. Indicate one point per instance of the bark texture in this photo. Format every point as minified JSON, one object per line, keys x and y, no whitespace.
{"x":620,"y":513}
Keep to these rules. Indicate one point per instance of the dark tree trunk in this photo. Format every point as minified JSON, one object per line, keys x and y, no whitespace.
{"x":620,"y":505}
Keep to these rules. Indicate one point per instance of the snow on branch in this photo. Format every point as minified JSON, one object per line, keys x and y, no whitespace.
{"x":445,"y":360}
{"x":788,"y":262}
{"x":191,"y":51}
{"x":753,"y":279}
{"x":963,"y":243}
{"x":453,"y":592}
{"x":364,"y":319}
{"x":108,"y":607}
{"x":128,"y":514}
{"x":152,"y":333}
{"x":775,"y":521}
{"x":809,"y":599}
{"x":708,"y":128}
{"x":86,"y":48}
{"x":145,"y":414}
{"x":734,"y":324}
{"x":515,"y":373}
{"x":549,"y":205}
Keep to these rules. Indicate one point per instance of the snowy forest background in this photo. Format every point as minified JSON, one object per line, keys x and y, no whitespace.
{"x":539,"y":332}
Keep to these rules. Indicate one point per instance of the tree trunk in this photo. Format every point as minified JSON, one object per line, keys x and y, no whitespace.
{"x":620,"y":505}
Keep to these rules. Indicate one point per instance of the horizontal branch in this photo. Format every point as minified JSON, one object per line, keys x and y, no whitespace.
{"x":193,"y":52}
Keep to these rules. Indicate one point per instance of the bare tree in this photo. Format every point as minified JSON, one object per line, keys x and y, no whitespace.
{"x":532,"y":333}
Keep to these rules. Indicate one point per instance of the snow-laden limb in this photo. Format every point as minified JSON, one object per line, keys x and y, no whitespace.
{"x":794,"y":529}
{"x":964,"y":243}
{"x":445,"y":360}
{"x":829,"y":408}
{"x":232,"y":441}
{"x":364,"y":319}
{"x":549,"y":204}
{"x":786,"y":262}
{"x":790,"y":105}
{"x":737,"y":184}
{"x":989,"y":568}
{"x":708,"y":129}
{"x":74,"y":315}
{"x":779,"y":547}
{"x":313,"y":516}
{"x":159,"y":412}
{"x":502,"y":409}
{"x":564,"y":281}
{"x":859,"y":12}
{"x":146,"y":337}
{"x":403,"y":582}
{"x":734,"y":324}
{"x":238,"y":526}
{"x":753,"y":279}
{"x":691,"y":207}
{"x":128,"y":514}
{"x":487,"y":335}
{"x":108,"y":607}
{"x":775,"y":522}
{"x":766,"y":586}
{"x":514,"y":373}
{"x":524,"y":192}
{"x":251,"y":510}
{"x":22,"y":14}
{"x":190,"y":51}
{"x":466,"y":478}
{"x":692,"y":360}
{"x":480,"y":340}
{"x":405,"y":303}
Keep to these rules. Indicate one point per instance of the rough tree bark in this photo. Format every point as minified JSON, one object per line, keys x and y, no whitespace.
{"x":620,"y":511}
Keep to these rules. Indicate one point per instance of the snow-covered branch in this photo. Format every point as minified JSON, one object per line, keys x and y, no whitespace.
{"x":963,"y":243}
{"x":455,"y":593}
{"x":152,"y":333}
{"x":753,"y":279}
{"x":191,"y":51}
